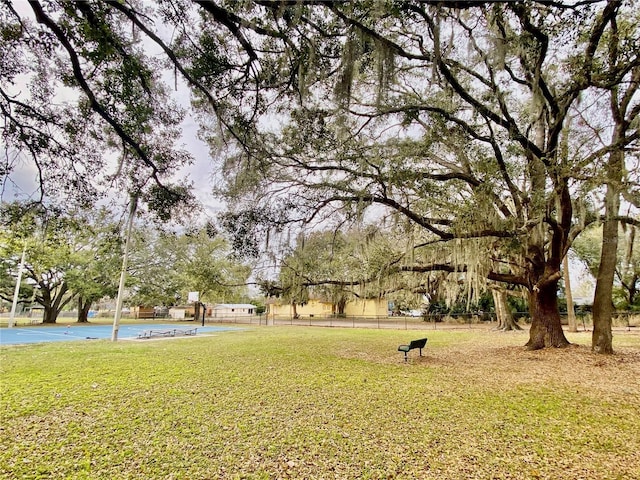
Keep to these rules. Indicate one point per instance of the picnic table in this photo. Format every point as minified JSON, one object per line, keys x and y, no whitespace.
{"x":171,"y":332}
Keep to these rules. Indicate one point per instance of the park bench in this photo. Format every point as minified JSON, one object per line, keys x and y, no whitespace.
{"x":413,"y":344}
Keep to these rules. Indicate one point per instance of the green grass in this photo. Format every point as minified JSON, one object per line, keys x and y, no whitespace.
{"x":294,"y":402}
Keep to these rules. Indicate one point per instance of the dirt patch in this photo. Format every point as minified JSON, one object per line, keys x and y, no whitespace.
{"x":499,"y":360}
{"x":577,"y":365}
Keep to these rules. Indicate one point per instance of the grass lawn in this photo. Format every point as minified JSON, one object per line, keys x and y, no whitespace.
{"x":297,"y":402}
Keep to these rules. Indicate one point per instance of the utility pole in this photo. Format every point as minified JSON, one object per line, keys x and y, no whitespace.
{"x":123,"y":270}
{"x":16,"y":292}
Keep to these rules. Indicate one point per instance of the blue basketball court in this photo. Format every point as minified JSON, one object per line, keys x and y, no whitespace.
{"x":60,"y":333}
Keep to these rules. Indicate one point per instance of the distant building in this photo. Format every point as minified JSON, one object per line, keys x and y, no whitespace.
{"x":366,"y":308}
{"x":143,"y":312}
{"x":233,"y":310}
{"x":181,"y":312}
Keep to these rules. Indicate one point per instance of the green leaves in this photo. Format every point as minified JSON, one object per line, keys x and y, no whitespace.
{"x":67,"y":256}
{"x":169,"y":201}
{"x":164,"y":267}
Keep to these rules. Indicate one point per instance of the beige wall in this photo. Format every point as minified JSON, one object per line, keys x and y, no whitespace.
{"x":181,"y":312}
{"x":371,"y":307}
{"x":316,"y":308}
{"x":233,"y":312}
{"x":313,"y":307}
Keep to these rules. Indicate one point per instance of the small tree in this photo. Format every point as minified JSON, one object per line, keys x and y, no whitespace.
{"x":165,"y":266}
{"x":69,"y":256}
{"x":333,"y":266}
{"x":51,"y":254}
{"x":98,"y":256}
{"x":626,"y":283}
{"x":207,"y":265}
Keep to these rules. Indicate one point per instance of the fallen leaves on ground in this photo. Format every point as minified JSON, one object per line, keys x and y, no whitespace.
{"x":297,"y":403}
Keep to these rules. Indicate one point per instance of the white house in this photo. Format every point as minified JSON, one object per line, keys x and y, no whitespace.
{"x":233,"y":310}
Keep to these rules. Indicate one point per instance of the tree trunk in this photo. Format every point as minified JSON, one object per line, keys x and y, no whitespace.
{"x":624,"y":114}
{"x":83,"y":310}
{"x":53,"y":304}
{"x":602,"y":338}
{"x":571,"y":313}
{"x":628,"y":274}
{"x":50,"y":314}
{"x":632,"y":289}
{"x":546,"y":327}
{"x":295,"y":310}
{"x":503,"y":313}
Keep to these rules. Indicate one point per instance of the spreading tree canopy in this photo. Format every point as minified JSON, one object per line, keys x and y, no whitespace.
{"x":450,"y":120}
{"x":467,"y":124}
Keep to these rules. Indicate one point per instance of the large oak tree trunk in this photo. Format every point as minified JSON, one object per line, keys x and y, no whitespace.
{"x":545,"y":252}
{"x":50,"y":315}
{"x":546,"y":327}
{"x":53,"y":300}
